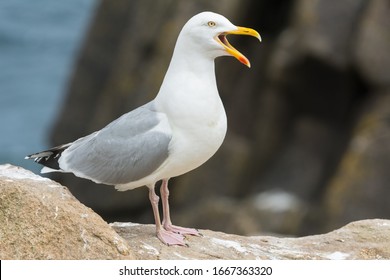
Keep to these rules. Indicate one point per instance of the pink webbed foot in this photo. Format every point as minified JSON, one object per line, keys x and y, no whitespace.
{"x":170,"y":238}
{"x":182,"y":230}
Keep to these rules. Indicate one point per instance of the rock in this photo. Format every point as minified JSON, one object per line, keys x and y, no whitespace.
{"x":249,"y":216}
{"x":287,"y":209}
{"x":300,"y":167}
{"x":305,"y":116}
{"x":325,"y":28}
{"x":40,"y":219}
{"x":360,"y":187}
{"x":373,"y":43}
{"x":220,"y":213}
{"x":363,"y":240}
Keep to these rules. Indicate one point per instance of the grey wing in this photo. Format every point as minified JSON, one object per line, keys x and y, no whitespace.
{"x":128,"y":149}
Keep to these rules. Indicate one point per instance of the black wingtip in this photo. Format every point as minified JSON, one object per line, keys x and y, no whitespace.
{"x":49,"y":158}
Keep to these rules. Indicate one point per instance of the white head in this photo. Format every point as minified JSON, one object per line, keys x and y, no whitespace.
{"x":206,"y":33}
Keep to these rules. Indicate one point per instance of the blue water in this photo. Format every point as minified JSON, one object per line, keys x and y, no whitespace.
{"x":39,"y":44}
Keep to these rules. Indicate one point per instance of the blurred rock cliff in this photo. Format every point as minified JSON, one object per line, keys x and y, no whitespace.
{"x":308,"y":143}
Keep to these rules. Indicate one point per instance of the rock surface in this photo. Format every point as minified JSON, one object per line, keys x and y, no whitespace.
{"x":362,"y":240}
{"x":40,"y":219}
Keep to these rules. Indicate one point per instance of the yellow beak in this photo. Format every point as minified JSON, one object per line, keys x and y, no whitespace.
{"x":230,"y":49}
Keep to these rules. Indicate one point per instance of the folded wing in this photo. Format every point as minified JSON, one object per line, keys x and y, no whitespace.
{"x":128,"y":149}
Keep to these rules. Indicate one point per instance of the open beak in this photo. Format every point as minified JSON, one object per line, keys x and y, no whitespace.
{"x":221,"y":38}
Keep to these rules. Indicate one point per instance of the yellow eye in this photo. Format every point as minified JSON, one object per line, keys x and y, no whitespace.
{"x":211,"y":23}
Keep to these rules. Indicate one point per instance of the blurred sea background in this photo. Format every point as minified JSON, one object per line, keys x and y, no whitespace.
{"x":39,"y":43}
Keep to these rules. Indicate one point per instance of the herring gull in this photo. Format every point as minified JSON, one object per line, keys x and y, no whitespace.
{"x":173,"y":134}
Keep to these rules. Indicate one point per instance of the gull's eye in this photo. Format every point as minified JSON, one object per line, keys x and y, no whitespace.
{"x":211,"y":23}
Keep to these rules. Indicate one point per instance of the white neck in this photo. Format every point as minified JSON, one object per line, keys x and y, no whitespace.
{"x":189,"y":67}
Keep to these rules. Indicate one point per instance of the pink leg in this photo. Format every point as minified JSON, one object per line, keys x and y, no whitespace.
{"x":166,"y":237}
{"x":167,"y":223}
